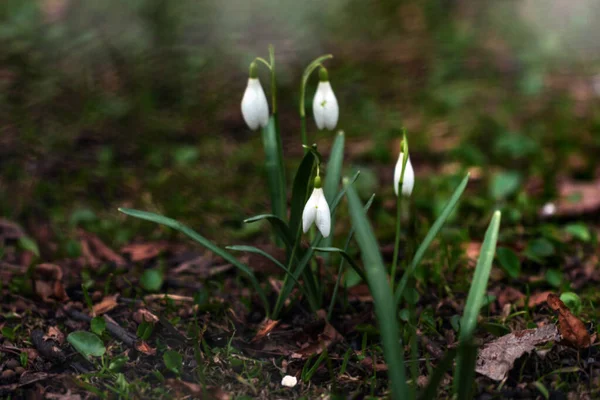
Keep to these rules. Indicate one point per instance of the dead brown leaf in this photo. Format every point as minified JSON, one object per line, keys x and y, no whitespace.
{"x":572,"y":329}
{"x":496,"y":358}
{"x":325,"y":339}
{"x":143,"y":315}
{"x":194,"y":389}
{"x":145,"y":348}
{"x":47,"y":283}
{"x":535,"y":299}
{"x":577,"y":198}
{"x":138,"y":252}
{"x":265,"y":328}
{"x":107,"y":304}
{"x":508,"y":295}
{"x":95,"y":252}
{"x":377,"y":366}
{"x":55,"y":334}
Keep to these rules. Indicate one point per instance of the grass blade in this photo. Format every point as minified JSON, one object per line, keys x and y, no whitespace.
{"x":342,"y":261}
{"x":385,"y":308}
{"x":352,"y":263}
{"x":333,"y":179}
{"x":278,"y":224}
{"x":433,"y":231}
{"x":256,"y":250}
{"x":171,"y":223}
{"x":467,"y":353}
{"x":275,"y":168}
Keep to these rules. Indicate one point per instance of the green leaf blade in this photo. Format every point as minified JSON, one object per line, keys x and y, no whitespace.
{"x":467,"y":353}
{"x":385,"y":308}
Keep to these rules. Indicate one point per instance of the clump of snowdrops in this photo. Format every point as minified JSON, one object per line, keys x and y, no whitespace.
{"x":316,"y":191}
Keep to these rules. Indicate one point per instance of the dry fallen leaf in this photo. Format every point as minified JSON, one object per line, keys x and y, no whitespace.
{"x":55,"y":334}
{"x":325,"y":339}
{"x":208,"y":392}
{"x":572,"y":329}
{"x":96,"y":252}
{"x":47,"y":283}
{"x":138,"y":252}
{"x":496,"y":358}
{"x":143,"y":315}
{"x":265,"y":328}
{"x":145,"y":348}
{"x":107,"y":304}
{"x":577,"y":198}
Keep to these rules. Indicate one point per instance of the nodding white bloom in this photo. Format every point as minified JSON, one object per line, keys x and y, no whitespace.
{"x":255,"y":108}
{"x":409,"y":176}
{"x":289,"y":381}
{"x":325,"y":105}
{"x":317,"y":210}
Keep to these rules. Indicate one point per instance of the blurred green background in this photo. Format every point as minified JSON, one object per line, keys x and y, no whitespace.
{"x":137,"y":103}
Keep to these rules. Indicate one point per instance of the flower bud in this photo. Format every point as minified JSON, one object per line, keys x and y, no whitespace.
{"x":317,"y":210}
{"x":409,"y":176}
{"x":325,"y":106}
{"x":255,"y":108}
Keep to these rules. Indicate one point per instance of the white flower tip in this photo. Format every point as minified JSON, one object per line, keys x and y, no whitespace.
{"x":289,"y":381}
{"x":317,"y":210}
{"x":255,"y":108}
{"x":409,"y":176}
{"x":325,"y":107}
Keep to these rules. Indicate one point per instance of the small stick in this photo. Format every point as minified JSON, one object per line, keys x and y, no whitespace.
{"x":115,"y":330}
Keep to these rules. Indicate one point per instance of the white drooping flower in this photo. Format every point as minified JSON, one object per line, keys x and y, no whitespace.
{"x":409,"y":176}
{"x":325,"y":106}
{"x":289,"y":381}
{"x":317,"y":210}
{"x":255,"y":108}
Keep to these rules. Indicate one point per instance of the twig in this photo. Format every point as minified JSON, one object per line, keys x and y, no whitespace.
{"x":115,"y":330}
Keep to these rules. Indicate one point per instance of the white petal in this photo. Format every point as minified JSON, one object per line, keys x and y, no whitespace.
{"x":332,"y":109}
{"x":318,"y":106}
{"x":323,"y":219}
{"x":289,"y":381}
{"x":409,"y":176}
{"x":255,"y":108}
{"x":310,"y":209}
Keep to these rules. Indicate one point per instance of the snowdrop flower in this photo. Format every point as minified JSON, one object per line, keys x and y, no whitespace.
{"x":289,"y":381}
{"x":317,"y":210}
{"x":255,"y":108}
{"x":325,"y":105}
{"x":409,"y":176}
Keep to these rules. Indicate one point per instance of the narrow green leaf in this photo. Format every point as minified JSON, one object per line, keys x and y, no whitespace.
{"x":275,"y":167}
{"x":433,"y":231}
{"x":171,"y":223}
{"x":465,"y":365}
{"x":87,"y":343}
{"x":278,"y":224}
{"x":333,"y":178}
{"x":342,"y":261}
{"x":300,"y":192}
{"x":346,"y":256}
{"x":385,"y":308}
{"x":256,"y":250}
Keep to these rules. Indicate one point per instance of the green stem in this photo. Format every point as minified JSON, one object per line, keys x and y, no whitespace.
{"x":273,"y":81}
{"x":301,"y":107}
{"x":397,"y":238}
